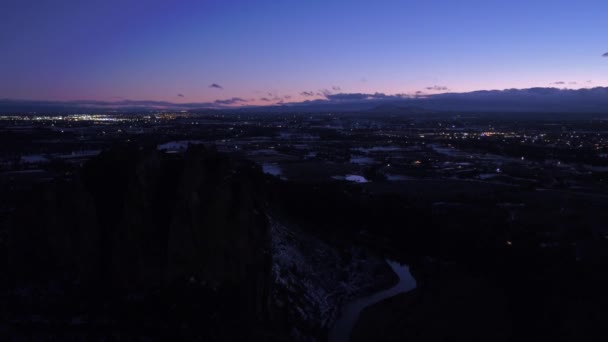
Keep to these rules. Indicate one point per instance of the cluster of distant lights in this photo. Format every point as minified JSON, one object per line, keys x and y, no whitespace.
{"x":162,"y":116}
{"x":75,"y":117}
{"x":89,"y":117}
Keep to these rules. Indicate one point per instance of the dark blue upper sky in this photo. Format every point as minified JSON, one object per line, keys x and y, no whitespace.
{"x":277,"y":50}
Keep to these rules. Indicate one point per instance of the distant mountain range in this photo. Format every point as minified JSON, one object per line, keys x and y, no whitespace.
{"x":545,"y":100}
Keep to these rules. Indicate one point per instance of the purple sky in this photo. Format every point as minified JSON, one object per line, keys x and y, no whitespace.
{"x":265,"y":52}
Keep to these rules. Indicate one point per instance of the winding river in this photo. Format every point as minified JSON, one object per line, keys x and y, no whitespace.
{"x":344,"y":325}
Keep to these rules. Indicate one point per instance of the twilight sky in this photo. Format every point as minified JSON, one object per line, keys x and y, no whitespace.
{"x":269,"y":51}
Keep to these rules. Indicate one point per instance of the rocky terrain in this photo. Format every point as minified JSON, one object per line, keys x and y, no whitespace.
{"x":313,"y":279}
{"x":143,"y":244}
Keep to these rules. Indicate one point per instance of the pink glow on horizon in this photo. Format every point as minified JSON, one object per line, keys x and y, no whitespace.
{"x":253,"y":98}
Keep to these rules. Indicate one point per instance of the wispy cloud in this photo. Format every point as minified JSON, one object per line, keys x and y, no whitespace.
{"x":437,"y":88}
{"x":605,"y":55}
{"x":419,"y":93}
{"x":180,"y":95}
{"x":124,"y":105}
{"x":324,"y":92}
{"x":508,"y":99}
{"x":559,"y":83}
{"x":231,"y":101}
{"x":572,"y":82}
{"x":216,"y":86}
{"x":346,"y":97}
{"x":273,"y":97}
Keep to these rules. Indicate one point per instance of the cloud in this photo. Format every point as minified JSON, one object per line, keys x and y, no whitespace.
{"x":272,"y":97}
{"x":605,"y":55}
{"x":180,"y":95}
{"x":231,"y":101}
{"x":321,"y":92}
{"x":94,"y":105}
{"x":345,"y":97}
{"x":559,"y":82}
{"x":216,"y":86}
{"x":437,"y":88}
{"x":353,"y":99}
{"x":503,"y":100}
{"x":572,"y":82}
{"x":324,"y":92}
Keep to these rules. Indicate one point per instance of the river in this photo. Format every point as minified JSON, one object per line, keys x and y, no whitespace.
{"x":341,"y":330}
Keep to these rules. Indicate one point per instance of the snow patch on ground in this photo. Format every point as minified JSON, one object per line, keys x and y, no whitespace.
{"x":313,"y":279}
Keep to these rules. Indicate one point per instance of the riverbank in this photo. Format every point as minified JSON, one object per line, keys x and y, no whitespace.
{"x":453,"y":304}
{"x":349,"y":314}
{"x":314,"y":278}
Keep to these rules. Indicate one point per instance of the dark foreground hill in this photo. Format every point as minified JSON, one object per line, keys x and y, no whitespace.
{"x":137,"y":244}
{"x":141,"y":244}
{"x":137,"y":228}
